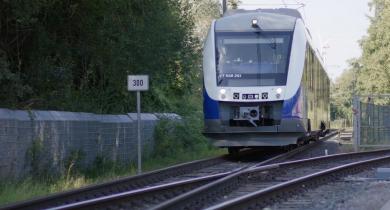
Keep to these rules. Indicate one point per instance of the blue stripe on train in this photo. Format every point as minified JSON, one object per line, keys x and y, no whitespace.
{"x":291,"y":107}
{"x":210,"y":107}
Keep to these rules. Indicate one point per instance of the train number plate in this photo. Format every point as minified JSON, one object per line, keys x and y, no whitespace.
{"x":250,"y":96}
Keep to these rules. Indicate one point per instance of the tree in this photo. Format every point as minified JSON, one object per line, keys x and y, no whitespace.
{"x":374,"y":76}
{"x":233,"y":4}
{"x":342,"y":91}
{"x":204,"y":11}
{"x":369,"y":74}
{"x":75,"y":55}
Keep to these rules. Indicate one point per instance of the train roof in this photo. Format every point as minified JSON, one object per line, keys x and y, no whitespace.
{"x":268,"y":19}
{"x":278,"y":19}
{"x":281,"y":11}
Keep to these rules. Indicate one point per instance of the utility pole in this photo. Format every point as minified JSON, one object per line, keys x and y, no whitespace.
{"x":224,"y":6}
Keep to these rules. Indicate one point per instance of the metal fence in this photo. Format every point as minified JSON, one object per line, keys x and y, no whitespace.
{"x":372,"y":121}
{"x":48,"y":140}
{"x":341,"y":124}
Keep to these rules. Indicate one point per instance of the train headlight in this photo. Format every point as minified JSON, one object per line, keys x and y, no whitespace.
{"x":222,"y":93}
{"x":279,"y":90}
{"x":255,"y":23}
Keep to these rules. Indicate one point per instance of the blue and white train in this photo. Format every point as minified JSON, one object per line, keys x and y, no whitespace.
{"x":264,"y":81}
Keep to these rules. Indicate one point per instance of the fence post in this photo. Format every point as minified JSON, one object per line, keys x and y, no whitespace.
{"x":356,"y":120}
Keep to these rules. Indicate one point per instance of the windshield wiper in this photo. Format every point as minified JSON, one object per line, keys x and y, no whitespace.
{"x":219,"y":82}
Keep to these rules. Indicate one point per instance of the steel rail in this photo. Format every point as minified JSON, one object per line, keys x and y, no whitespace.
{"x":140,"y":198}
{"x":119,"y":185}
{"x":211,"y":193}
{"x":148,"y":197}
{"x":296,"y":151}
{"x":265,"y":197}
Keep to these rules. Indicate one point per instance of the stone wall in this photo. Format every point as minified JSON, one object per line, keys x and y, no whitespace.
{"x":48,"y":140}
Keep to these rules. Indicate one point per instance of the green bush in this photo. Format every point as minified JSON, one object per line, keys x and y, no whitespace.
{"x":75,"y":55}
{"x":174,"y":137}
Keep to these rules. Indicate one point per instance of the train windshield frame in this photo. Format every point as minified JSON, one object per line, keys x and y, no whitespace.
{"x":251,"y":59}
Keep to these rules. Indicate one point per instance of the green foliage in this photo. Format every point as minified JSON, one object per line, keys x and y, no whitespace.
{"x":34,"y":157}
{"x":374,"y":76}
{"x":103,"y":170}
{"x":73,"y":162}
{"x":75,"y":55}
{"x":203,"y":12}
{"x":342,"y":93}
{"x":101,"y":165}
{"x":179,"y":137}
{"x":369,"y":74}
{"x":233,"y":4}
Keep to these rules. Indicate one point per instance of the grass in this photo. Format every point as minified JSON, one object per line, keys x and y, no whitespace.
{"x":28,"y":188}
{"x":14,"y":191}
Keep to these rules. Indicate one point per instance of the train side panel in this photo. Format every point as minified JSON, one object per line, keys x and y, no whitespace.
{"x":316,"y":84}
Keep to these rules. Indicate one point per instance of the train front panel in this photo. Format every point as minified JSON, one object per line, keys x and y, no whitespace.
{"x":253,"y":89}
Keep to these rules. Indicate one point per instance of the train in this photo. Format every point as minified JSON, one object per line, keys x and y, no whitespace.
{"x":264,"y":81}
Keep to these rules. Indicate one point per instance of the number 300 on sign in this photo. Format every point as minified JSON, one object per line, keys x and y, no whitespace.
{"x":138,"y":82}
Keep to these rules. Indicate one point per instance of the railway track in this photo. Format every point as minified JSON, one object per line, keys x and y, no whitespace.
{"x":217,"y":165}
{"x":260,"y":187}
{"x":278,"y":193}
{"x":150,"y":189}
{"x":359,"y":191}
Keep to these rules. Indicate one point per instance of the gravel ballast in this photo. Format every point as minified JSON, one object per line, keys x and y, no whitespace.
{"x":355,"y":192}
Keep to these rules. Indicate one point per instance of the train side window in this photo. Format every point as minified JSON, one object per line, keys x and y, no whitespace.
{"x":307,"y":63}
{"x":311,"y":69}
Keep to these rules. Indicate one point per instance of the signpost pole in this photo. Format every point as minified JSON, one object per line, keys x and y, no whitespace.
{"x":139,"y":171}
{"x":138,"y":83}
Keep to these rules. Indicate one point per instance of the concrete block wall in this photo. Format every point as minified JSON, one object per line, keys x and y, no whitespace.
{"x":51,"y":137}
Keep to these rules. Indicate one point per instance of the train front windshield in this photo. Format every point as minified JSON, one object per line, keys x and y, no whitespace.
{"x":252,"y":59}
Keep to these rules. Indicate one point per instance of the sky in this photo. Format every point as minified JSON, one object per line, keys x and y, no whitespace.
{"x":336,"y":26}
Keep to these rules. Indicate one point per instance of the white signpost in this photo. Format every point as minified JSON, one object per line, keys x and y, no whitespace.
{"x":138,"y":83}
